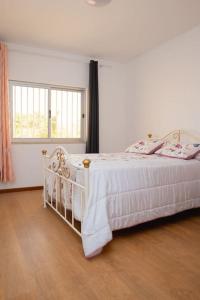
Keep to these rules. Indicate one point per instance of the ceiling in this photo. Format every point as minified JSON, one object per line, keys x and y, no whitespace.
{"x":119,"y":31}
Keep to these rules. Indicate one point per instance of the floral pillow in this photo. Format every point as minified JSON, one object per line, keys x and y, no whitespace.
{"x":187,"y":151}
{"x":145,"y":147}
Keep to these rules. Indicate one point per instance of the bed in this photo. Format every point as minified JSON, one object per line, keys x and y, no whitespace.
{"x":96,"y":194}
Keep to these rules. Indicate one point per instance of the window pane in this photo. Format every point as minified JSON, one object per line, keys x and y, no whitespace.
{"x":30,"y":112}
{"x":65,"y":114}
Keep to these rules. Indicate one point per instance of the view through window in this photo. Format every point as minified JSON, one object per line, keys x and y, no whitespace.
{"x":42,"y":112}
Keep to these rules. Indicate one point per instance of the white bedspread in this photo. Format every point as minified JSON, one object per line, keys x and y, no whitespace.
{"x":128,"y":189}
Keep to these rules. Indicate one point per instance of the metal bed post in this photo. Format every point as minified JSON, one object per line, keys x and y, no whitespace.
{"x":86,"y":164}
{"x":44,"y":153}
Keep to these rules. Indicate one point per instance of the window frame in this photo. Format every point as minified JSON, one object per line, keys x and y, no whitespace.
{"x":49,"y":140}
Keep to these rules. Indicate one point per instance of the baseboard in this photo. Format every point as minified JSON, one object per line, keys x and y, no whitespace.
{"x":22,"y":189}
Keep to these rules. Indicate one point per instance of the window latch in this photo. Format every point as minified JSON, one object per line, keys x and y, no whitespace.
{"x":83,"y":116}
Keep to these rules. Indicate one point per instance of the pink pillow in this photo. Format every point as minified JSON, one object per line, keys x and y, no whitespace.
{"x":145,"y":147}
{"x":187,"y":151}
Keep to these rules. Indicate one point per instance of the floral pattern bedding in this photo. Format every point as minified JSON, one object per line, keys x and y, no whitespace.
{"x":187,"y":151}
{"x":145,"y":147}
{"x":77,"y":159}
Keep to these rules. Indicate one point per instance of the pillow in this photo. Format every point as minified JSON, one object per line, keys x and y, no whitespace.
{"x":145,"y":147}
{"x":187,"y":151}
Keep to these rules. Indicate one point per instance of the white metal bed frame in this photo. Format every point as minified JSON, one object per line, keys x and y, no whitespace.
{"x":62,"y":174}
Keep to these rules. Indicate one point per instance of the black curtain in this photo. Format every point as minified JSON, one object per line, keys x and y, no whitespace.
{"x":92,"y":145}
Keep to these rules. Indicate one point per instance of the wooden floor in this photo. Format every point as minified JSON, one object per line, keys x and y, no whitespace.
{"x":41,"y":258}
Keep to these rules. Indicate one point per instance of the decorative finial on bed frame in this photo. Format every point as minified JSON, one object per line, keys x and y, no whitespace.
{"x":149,"y":135}
{"x":44,"y":152}
{"x":86,"y":163}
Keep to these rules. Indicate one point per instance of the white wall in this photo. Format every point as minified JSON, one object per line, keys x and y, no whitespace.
{"x":40,"y":66}
{"x":164,"y":87}
{"x":113,"y":92}
{"x":157,"y":92}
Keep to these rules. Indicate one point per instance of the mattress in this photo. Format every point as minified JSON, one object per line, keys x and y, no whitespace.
{"x":128,"y":189}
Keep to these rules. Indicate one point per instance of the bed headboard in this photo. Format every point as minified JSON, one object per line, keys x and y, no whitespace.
{"x":178,"y":136}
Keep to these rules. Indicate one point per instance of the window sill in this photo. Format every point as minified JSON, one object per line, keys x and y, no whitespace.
{"x":48,"y":141}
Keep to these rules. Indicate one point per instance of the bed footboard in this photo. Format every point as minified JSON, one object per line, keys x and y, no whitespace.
{"x":58,"y":183}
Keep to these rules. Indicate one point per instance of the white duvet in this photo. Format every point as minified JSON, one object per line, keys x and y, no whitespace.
{"x":128,"y":189}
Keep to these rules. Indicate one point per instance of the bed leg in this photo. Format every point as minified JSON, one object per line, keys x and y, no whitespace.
{"x":44,"y":194}
{"x":45,"y":204}
{"x":44,"y":153}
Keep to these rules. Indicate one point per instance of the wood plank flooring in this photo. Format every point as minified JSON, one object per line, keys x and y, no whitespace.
{"x":42,"y":258}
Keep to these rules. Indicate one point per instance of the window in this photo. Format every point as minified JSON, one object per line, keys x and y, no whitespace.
{"x":44,"y":113}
